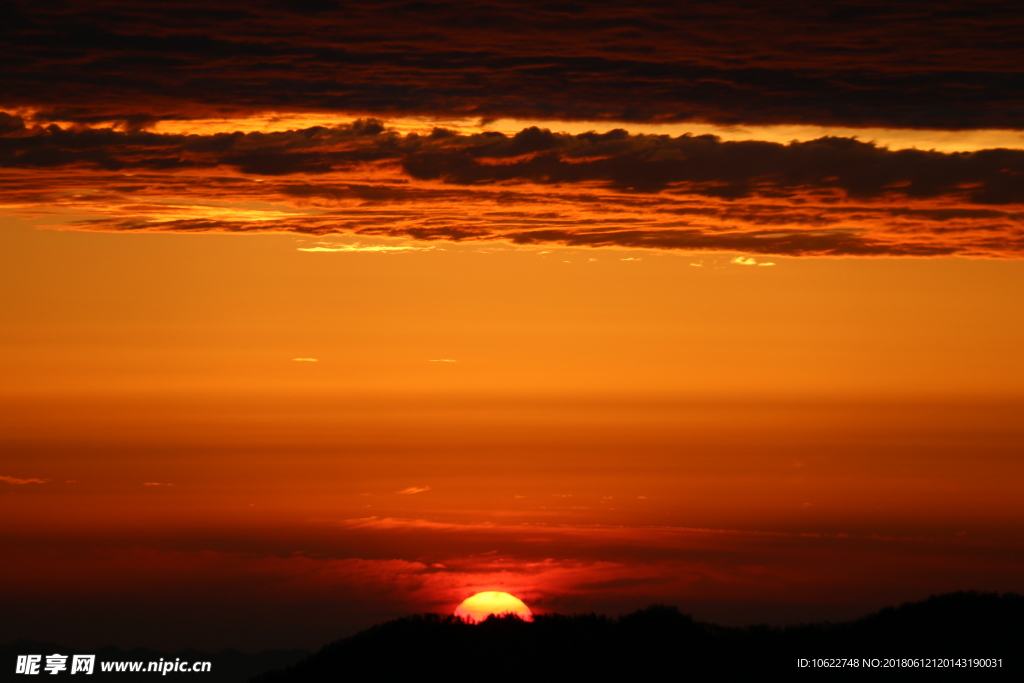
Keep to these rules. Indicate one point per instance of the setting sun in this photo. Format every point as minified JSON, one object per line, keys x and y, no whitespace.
{"x":478,"y":607}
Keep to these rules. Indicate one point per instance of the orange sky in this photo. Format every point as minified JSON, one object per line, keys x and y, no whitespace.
{"x":589,"y":429}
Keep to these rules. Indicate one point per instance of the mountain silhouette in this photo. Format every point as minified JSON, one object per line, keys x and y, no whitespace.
{"x":956,"y":630}
{"x":952,"y":631}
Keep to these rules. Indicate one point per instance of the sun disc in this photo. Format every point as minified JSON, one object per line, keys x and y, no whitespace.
{"x":478,"y":607}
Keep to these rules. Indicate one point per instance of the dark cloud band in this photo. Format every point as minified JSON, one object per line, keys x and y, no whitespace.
{"x":952,"y":65}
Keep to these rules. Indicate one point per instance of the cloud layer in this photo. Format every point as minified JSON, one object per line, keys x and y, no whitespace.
{"x":853,"y":62}
{"x":831,"y":196}
{"x":107,"y":71}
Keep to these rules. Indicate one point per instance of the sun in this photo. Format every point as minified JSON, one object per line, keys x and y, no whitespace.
{"x":478,"y":607}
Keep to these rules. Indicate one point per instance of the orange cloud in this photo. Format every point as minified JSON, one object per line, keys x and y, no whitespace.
{"x":825,"y":197}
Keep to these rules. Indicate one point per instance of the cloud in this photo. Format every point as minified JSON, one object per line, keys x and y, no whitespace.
{"x":397,"y":524}
{"x":307,"y":360}
{"x":825,"y":197}
{"x":357,"y":248}
{"x":563,"y":534}
{"x":381,"y":248}
{"x":747,"y":261}
{"x":413,"y":489}
{"x":156,"y":483}
{"x":16,"y":480}
{"x":852,"y":62}
{"x":442,"y":360}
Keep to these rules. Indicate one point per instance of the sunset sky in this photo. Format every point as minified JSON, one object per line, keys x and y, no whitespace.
{"x":317,"y":313}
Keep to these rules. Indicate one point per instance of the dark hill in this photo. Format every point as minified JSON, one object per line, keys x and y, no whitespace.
{"x":943,"y":631}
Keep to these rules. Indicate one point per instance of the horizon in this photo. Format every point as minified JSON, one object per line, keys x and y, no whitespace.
{"x":651,"y":610}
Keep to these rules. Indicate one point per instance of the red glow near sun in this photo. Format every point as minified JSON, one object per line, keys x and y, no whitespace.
{"x":478,"y":607}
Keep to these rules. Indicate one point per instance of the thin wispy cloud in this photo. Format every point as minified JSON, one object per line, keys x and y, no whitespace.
{"x":18,"y":481}
{"x":369,"y":248}
{"x":413,"y":490}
